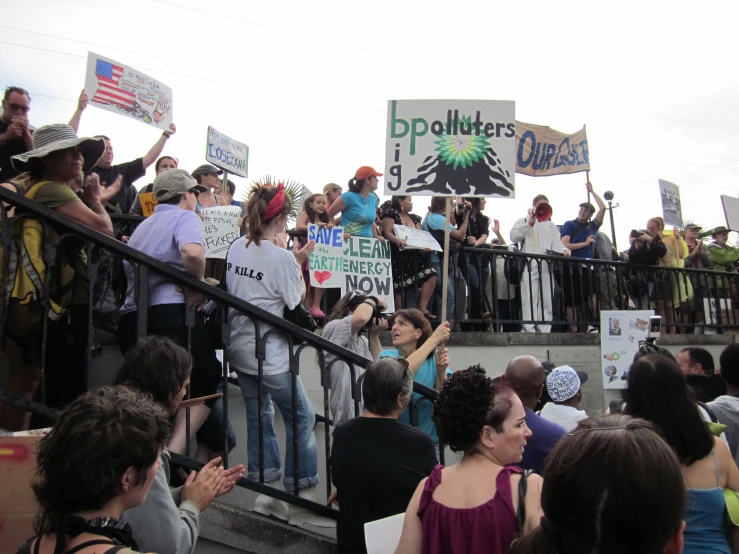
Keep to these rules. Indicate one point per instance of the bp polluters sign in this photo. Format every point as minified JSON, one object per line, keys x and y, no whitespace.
{"x":451,"y":147}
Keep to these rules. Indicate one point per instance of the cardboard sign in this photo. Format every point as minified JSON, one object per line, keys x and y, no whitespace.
{"x":451,"y":147}
{"x":417,"y":239}
{"x":672,"y":212}
{"x":326,"y":262}
{"x":731,"y":211}
{"x":147,"y":203}
{"x":227,"y":153}
{"x":542,"y":151}
{"x":221,"y":229}
{"x":17,"y":502}
{"x":620,"y":334}
{"x":367,"y":267}
{"x":118,"y":88}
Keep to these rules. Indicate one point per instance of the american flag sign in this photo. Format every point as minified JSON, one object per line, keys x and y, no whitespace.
{"x":109,"y":90}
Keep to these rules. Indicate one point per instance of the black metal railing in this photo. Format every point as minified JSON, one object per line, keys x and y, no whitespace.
{"x":102,"y":251}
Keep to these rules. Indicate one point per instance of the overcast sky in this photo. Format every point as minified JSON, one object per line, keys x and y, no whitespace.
{"x":306,"y":84}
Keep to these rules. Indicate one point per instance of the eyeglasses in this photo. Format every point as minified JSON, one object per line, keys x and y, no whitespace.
{"x":406,"y":367}
{"x":195,"y":192}
{"x":18,"y":108}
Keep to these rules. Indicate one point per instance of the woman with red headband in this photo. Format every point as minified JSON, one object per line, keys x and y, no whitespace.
{"x":261,"y":271}
{"x":358,"y":205}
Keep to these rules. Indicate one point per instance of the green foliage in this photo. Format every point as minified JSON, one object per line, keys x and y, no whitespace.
{"x":293,"y":190}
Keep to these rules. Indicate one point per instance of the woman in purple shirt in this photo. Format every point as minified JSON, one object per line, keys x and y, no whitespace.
{"x":471,"y":507}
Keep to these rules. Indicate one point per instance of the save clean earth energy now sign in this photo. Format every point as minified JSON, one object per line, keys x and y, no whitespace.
{"x":451,"y":147}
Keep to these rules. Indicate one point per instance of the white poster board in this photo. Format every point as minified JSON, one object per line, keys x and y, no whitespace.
{"x":450,"y":147}
{"x":672,"y":211}
{"x":221,"y":229}
{"x":326,"y":262}
{"x":382,"y":536}
{"x":731,"y":211}
{"x":228,"y":154}
{"x":118,"y":88}
{"x":417,"y":239}
{"x":620,"y":333}
{"x":366,"y":265}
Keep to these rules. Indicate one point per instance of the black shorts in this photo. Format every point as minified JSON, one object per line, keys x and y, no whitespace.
{"x":168,"y":320}
{"x":576,"y":284}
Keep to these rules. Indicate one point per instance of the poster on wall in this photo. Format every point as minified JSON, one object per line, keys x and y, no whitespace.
{"x":620,"y":333}
{"x":451,"y":147}
{"x":118,"y":88}
{"x":672,"y":211}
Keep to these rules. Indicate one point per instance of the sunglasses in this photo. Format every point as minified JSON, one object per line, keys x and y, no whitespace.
{"x":19,"y":108}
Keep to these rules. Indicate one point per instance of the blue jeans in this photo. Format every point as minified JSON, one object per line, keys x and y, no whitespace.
{"x":278,"y":389}
{"x":436,"y":266}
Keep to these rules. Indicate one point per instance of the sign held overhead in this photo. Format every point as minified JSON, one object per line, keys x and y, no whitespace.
{"x":226,"y":153}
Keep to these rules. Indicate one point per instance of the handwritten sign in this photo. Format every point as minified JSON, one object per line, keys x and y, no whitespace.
{"x":326,"y":262}
{"x":731,"y":211}
{"x":226,"y":153}
{"x":147,"y":203}
{"x":221,"y":229}
{"x":118,"y":88}
{"x":544,"y":151}
{"x":367,"y":268}
{"x":450,"y":147}
{"x":672,"y":212}
{"x":417,"y":239}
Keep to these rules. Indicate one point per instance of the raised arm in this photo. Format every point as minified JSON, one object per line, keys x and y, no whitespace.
{"x":74,"y":123}
{"x":598,"y":200}
{"x":156,"y":150}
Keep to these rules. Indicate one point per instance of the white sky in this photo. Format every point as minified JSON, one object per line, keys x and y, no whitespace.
{"x":306,"y":84}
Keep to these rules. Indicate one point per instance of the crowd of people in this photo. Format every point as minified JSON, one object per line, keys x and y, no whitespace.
{"x":106,"y":458}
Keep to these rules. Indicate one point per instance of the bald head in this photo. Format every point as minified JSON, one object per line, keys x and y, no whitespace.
{"x":525,"y":375}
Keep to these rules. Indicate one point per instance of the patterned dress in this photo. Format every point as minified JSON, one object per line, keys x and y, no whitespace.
{"x":409,"y":266}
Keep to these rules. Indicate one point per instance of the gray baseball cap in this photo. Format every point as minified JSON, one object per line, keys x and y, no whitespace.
{"x":172,"y":182}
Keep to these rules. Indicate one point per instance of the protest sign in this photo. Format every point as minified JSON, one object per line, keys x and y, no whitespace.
{"x":326,"y":262}
{"x":620,"y":334}
{"x":731,"y":211}
{"x":120,"y":89}
{"x":542,"y":151}
{"x":450,"y":147}
{"x":366,"y":267}
{"x":146,"y":199}
{"x":417,"y":239}
{"x":672,"y":213}
{"x":221,"y":229}
{"x":227,"y":153}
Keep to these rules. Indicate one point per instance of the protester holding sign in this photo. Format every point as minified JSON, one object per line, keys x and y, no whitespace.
{"x":411,"y":268}
{"x":144,"y":204}
{"x":415,"y":342}
{"x":268,"y":276}
{"x":314,"y":211}
{"x":358,"y":206}
{"x":668,"y":293}
{"x":475,"y":268}
{"x":207,"y":177}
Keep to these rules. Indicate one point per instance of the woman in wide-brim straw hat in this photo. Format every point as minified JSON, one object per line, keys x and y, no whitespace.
{"x":58,"y":159}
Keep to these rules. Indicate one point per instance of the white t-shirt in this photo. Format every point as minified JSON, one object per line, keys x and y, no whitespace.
{"x":268,"y":277}
{"x":566,"y":416}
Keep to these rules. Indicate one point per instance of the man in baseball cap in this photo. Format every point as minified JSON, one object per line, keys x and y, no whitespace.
{"x":564,"y":386}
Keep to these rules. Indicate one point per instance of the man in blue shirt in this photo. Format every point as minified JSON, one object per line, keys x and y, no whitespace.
{"x":579,"y":235}
{"x":525,"y":375}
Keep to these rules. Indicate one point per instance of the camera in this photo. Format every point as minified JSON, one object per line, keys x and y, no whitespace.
{"x":634,"y":234}
{"x":655,"y":328}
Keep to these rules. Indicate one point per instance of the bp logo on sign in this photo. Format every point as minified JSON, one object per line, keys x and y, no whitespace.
{"x":451,"y":147}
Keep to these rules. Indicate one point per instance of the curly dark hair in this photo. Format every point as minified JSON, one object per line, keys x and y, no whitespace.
{"x":94,"y":441}
{"x":157,"y":366}
{"x":468,"y":401}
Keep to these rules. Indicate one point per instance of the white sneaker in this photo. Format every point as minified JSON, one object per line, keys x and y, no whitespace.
{"x":269,"y":506}
{"x":300,"y":516}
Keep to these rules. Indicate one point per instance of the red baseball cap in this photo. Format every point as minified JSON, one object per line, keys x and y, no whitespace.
{"x":366,"y":171}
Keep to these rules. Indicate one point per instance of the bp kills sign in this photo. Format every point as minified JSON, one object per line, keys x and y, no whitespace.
{"x":451,"y":147}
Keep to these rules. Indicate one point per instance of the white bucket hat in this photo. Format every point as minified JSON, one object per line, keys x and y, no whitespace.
{"x":52,"y":138}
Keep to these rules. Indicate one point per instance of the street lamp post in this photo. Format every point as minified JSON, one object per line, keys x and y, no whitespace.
{"x":608,"y":195}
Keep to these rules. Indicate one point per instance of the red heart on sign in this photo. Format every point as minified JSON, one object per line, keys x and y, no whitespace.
{"x":321,"y":276}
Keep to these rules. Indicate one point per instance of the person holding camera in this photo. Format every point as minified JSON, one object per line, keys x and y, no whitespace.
{"x":646,"y":249}
{"x":355,"y":323}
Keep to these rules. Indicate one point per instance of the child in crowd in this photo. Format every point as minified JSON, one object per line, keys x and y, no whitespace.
{"x":315,"y":212}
